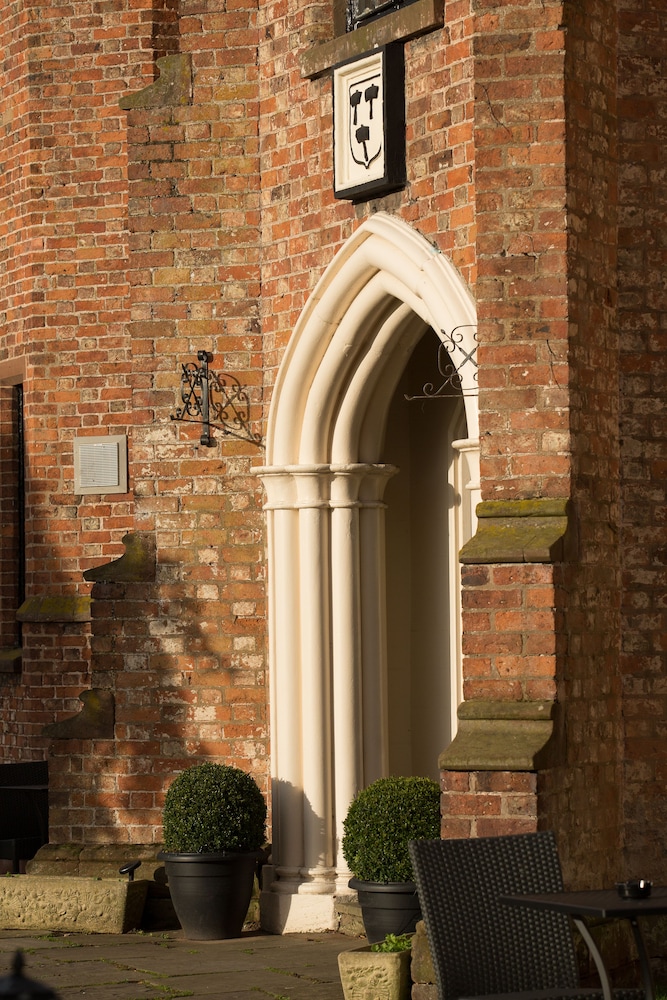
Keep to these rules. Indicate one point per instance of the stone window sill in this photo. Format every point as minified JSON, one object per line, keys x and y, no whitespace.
{"x":399,"y":26}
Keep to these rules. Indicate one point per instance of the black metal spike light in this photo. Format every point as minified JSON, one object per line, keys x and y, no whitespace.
{"x":16,"y":986}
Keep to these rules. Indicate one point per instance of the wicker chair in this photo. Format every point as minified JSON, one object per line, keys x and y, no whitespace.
{"x":482,"y":947}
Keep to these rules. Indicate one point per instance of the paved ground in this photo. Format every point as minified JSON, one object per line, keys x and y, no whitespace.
{"x":163,"y":965}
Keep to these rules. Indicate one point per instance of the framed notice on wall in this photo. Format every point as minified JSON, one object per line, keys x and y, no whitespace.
{"x":369,"y":124}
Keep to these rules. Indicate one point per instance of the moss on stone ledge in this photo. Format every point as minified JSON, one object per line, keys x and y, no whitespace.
{"x":55,"y":608}
{"x":500,"y":736}
{"x":511,"y":531}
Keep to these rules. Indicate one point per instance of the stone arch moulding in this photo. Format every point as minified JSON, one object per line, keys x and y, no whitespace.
{"x":324,"y":482}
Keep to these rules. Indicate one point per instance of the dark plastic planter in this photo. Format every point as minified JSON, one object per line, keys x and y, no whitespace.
{"x":387,"y":907}
{"x":211,"y":892}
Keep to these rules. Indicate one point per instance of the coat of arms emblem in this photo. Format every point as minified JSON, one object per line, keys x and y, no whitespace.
{"x":369,"y":124}
{"x":366,"y":120}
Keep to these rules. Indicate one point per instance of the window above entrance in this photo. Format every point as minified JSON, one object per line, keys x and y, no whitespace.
{"x":361,"y":12}
{"x":380,"y":22}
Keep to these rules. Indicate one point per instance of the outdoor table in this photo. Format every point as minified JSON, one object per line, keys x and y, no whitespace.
{"x":607,"y":905}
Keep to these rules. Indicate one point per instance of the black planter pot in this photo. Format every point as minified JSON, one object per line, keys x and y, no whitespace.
{"x":387,"y":907}
{"x":211,"y":892}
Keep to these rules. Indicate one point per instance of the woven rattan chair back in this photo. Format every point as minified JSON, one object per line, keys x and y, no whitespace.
{"x":479,"y":945}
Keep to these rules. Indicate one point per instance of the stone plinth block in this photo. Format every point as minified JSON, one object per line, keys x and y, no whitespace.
{"x":69,"y":903}
{"x":374,"y":975}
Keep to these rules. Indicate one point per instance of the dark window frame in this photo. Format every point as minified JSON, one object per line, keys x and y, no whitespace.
{"x":359,"y":13}
{"x":410,"y":21}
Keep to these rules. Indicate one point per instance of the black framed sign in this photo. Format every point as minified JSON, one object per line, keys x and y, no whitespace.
{"x":369,"y":124}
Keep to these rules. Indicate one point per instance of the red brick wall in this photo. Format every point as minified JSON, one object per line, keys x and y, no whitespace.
{"x":302,"y":224}
{"x":642,"y":308}
{"x":185,"y":655}
{"x":11,"y":486}
{"x":488,"y":803}
{"x":64,"y":208}
{"x":583,"y":797}
{"x":512,"y":632}
{"x":511,"y":626}
{"x":521,"y":224}
{"x":64,"y":305}
{"x":131,"y":240}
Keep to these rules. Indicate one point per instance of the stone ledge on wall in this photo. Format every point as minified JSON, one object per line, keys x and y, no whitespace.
{"x":500,"y":736}
{"x":55,"y":608}
{"x":95,"y":721}
{"x":136,"y":565}
{"x":173,"y":87}
{"x":401,"y":25}
{"x":518,"y":531}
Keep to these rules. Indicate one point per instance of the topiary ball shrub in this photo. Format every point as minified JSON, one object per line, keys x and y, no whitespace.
{"x":214,"y":808}
{"x":381,"y":821}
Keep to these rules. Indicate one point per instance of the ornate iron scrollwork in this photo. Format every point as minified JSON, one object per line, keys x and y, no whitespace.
{"x":458,"y":375}
{"x":214,"y":400}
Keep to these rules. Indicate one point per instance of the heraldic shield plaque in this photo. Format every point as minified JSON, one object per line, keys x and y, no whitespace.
{"x":369,"y":124}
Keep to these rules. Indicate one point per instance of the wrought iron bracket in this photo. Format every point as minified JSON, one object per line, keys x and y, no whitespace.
{"x":457,"y":367}
{"x":214,"y":400}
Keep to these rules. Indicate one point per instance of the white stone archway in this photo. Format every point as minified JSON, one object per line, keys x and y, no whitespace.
{"x":324,"y":483}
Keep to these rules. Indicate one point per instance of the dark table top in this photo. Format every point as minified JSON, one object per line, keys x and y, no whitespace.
{"x":594,"y":903}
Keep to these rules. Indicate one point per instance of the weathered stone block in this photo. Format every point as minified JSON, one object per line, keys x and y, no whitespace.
{"x":424,"y":991}
{"x":422,"y":962}
{"x":70,"y":903}
{"x":349,"y":917}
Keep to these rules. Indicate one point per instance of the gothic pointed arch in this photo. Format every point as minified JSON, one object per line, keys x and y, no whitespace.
{"x":384,"y":268}
{"x":324,"y":482}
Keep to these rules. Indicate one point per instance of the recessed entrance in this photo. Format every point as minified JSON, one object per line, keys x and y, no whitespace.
{"x":422,"y":577}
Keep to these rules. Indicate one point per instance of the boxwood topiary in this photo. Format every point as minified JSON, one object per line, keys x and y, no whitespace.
{"x":380,"y":822}
{"x":213,"y":808}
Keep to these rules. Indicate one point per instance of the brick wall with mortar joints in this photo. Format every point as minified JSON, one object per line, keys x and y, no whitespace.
{"x":512,"y":631}
{"x":185,"y":656}
{"x":320,"y":252}
{"x":10,"y":513}
{"x":71,"y":231}
{"x":15,"y":189}
{"x":488,"y":803}
{"x":643,"y":350}
{"x":63,"y":300}
{"x":303,"y":225}
{"x":521,"y":225}
{"x":55,"y":669}
{"x":584,"y":791}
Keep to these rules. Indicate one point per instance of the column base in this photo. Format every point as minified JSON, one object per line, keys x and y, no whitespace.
{"x":294,"y":913}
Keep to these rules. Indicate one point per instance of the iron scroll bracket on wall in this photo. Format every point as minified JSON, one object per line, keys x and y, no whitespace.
{"x":214,"y":399}
{"x":457,"y":366}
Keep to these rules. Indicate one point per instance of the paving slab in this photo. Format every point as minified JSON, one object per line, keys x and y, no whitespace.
{"x":166,"y":966}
